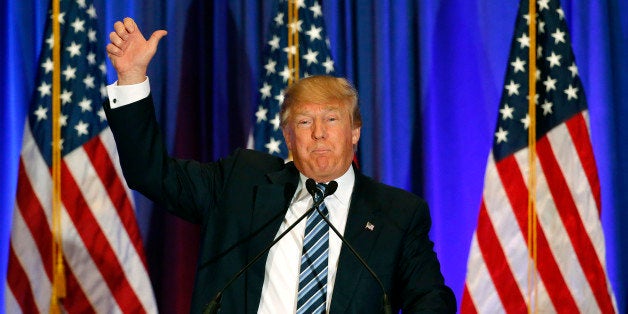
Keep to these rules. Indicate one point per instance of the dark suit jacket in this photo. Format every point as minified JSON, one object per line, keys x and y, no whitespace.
{"x":240,"y":202}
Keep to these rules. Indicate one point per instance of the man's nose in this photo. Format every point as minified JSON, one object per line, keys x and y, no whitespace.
{"x":318,"y":131}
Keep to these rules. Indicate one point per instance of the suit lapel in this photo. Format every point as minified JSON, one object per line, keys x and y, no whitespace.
{"x":362,"y":212}
{"x":270,"y":205}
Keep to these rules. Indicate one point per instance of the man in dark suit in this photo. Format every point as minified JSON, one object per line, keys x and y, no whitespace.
{"x":247,"y":199}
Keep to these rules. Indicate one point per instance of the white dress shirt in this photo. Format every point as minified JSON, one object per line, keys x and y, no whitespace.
{"x":281,"y":278}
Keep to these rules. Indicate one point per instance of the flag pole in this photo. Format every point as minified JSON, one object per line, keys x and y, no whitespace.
{"x":532,"y":216}
{"x":58,"y":285}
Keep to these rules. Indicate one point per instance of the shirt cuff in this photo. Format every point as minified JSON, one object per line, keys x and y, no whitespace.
{"x":122,"y":95}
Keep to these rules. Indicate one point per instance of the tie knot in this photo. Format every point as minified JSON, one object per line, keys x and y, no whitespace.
{"x":320,"y":190}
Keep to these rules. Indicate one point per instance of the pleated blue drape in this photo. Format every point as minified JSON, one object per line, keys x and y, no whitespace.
{"x":429,"y":75}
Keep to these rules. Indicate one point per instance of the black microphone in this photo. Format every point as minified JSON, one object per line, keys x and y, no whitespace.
{"x":214,"y":305}
{"x":311,"y":187}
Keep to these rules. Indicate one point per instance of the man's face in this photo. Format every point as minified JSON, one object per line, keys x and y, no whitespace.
{"x":321,"y":139}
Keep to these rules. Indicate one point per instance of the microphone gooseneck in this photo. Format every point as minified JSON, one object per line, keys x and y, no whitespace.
{"x":332,"y":187}
{"x":214,"y":305}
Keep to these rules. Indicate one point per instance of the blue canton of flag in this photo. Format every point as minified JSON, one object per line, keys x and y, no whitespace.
{"x":314,"y":58}
{"x":559,"y":90}
{"x":83,"y":77}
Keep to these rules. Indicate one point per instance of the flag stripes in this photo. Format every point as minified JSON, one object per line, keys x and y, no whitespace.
{"x":560,"y":266}
{"x":88,"y":219}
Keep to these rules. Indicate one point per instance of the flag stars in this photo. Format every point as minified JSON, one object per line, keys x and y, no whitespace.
{"x":89,"y":81}
{"x":550,"y":84}
{"x":101,"y":114}
{"x":91,"y":11}
{"x":103,"y":68}
{"x":285,"y":74}
{"x":274,"y":43}
{"x":261,"y":114}
{"x":518,"y":65}
{"x":524,"y":41}
{"x":273,"y":146}
{"x":91,"y":58}
{"x":103,"y":91}
{"x":572,"y":92}
{"x":310,"y":57}
{"x":63,"y":120}
{"x":78,"y":25}
{"x":265,"y":90}
{"x":501,"y":135}
{"x":507,"y":112}
{"x":279,"y":19}
{"x":280,"y":98}
{"x":559,"y":36}
{"x":270,"y":66}
{"x":526,"y":121}
{"x":50,"y":41}
{"x":561,"y":13}
{"x":543,"y":5}
{"x":290,"y":50}
{"x":329,"y":65}
{"x":66,"y":97}
{"x":91,"y":35}
{"x":314,"y":33}
{"x":85,"y":104}
{"x":547,"y":108}
{"x":276,"y":122}
{"x":554,"y":60}
{"x":296,"y":26}
{"x":573,"y":69}
{"x":69,"y":73}
{"x":81,"y":4}
{"x":74,"y":49}
{"x":41,"y":113}
{"x":47,"y":65}
{"x":44,"y":89}
{"x":81,"y":128}
{"x":513,"y":88}
{"x":316,"y":10}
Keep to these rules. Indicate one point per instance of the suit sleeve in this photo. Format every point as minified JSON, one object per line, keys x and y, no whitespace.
{"x":424,"y":287}
{"x":186,"y":188}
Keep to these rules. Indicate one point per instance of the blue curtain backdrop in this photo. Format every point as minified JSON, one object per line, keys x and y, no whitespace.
{"x":429,"y":74}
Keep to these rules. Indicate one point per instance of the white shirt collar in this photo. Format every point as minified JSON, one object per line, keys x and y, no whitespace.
{"x":342,"y":194}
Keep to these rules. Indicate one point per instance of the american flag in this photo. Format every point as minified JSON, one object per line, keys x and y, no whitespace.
{"x":314,"y":58}
{"x":570,"y":251}
{"x":105,"y":266}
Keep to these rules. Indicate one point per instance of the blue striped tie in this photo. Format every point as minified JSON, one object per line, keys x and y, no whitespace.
{"x":313,"y":279}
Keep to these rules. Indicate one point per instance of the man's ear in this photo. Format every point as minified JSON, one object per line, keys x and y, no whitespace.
{"x":355,"y":135}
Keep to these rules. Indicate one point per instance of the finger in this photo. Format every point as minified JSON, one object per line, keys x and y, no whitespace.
{"x":120,"y":30}
{"x":129,"y":24}
{"x":115,"y":39}
{"x":156,"y":37}
{"x":114,"y":50}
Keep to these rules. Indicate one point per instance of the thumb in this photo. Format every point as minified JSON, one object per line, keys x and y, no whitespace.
{"x":156,"y":37}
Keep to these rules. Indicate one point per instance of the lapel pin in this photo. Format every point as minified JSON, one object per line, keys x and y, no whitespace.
{"x":369,"y":226}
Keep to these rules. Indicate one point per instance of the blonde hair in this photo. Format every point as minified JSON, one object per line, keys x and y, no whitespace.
{"x":321,"y":89}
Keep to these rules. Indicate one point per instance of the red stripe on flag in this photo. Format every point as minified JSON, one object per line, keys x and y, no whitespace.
{"x":578,"y":235}
{"x":97,"y":244}
{"x":497,"y":265}
{"x":467,"y":306}
{"x":549,"y":271}
{"x":20,"y":285}
{"x":34,"y":217}
{"x":103,"y":165}
{"x":579,"y":132}
{"x":78,"y":302}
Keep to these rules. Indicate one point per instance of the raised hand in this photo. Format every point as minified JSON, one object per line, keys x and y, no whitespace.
{"x":130,"y":53}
